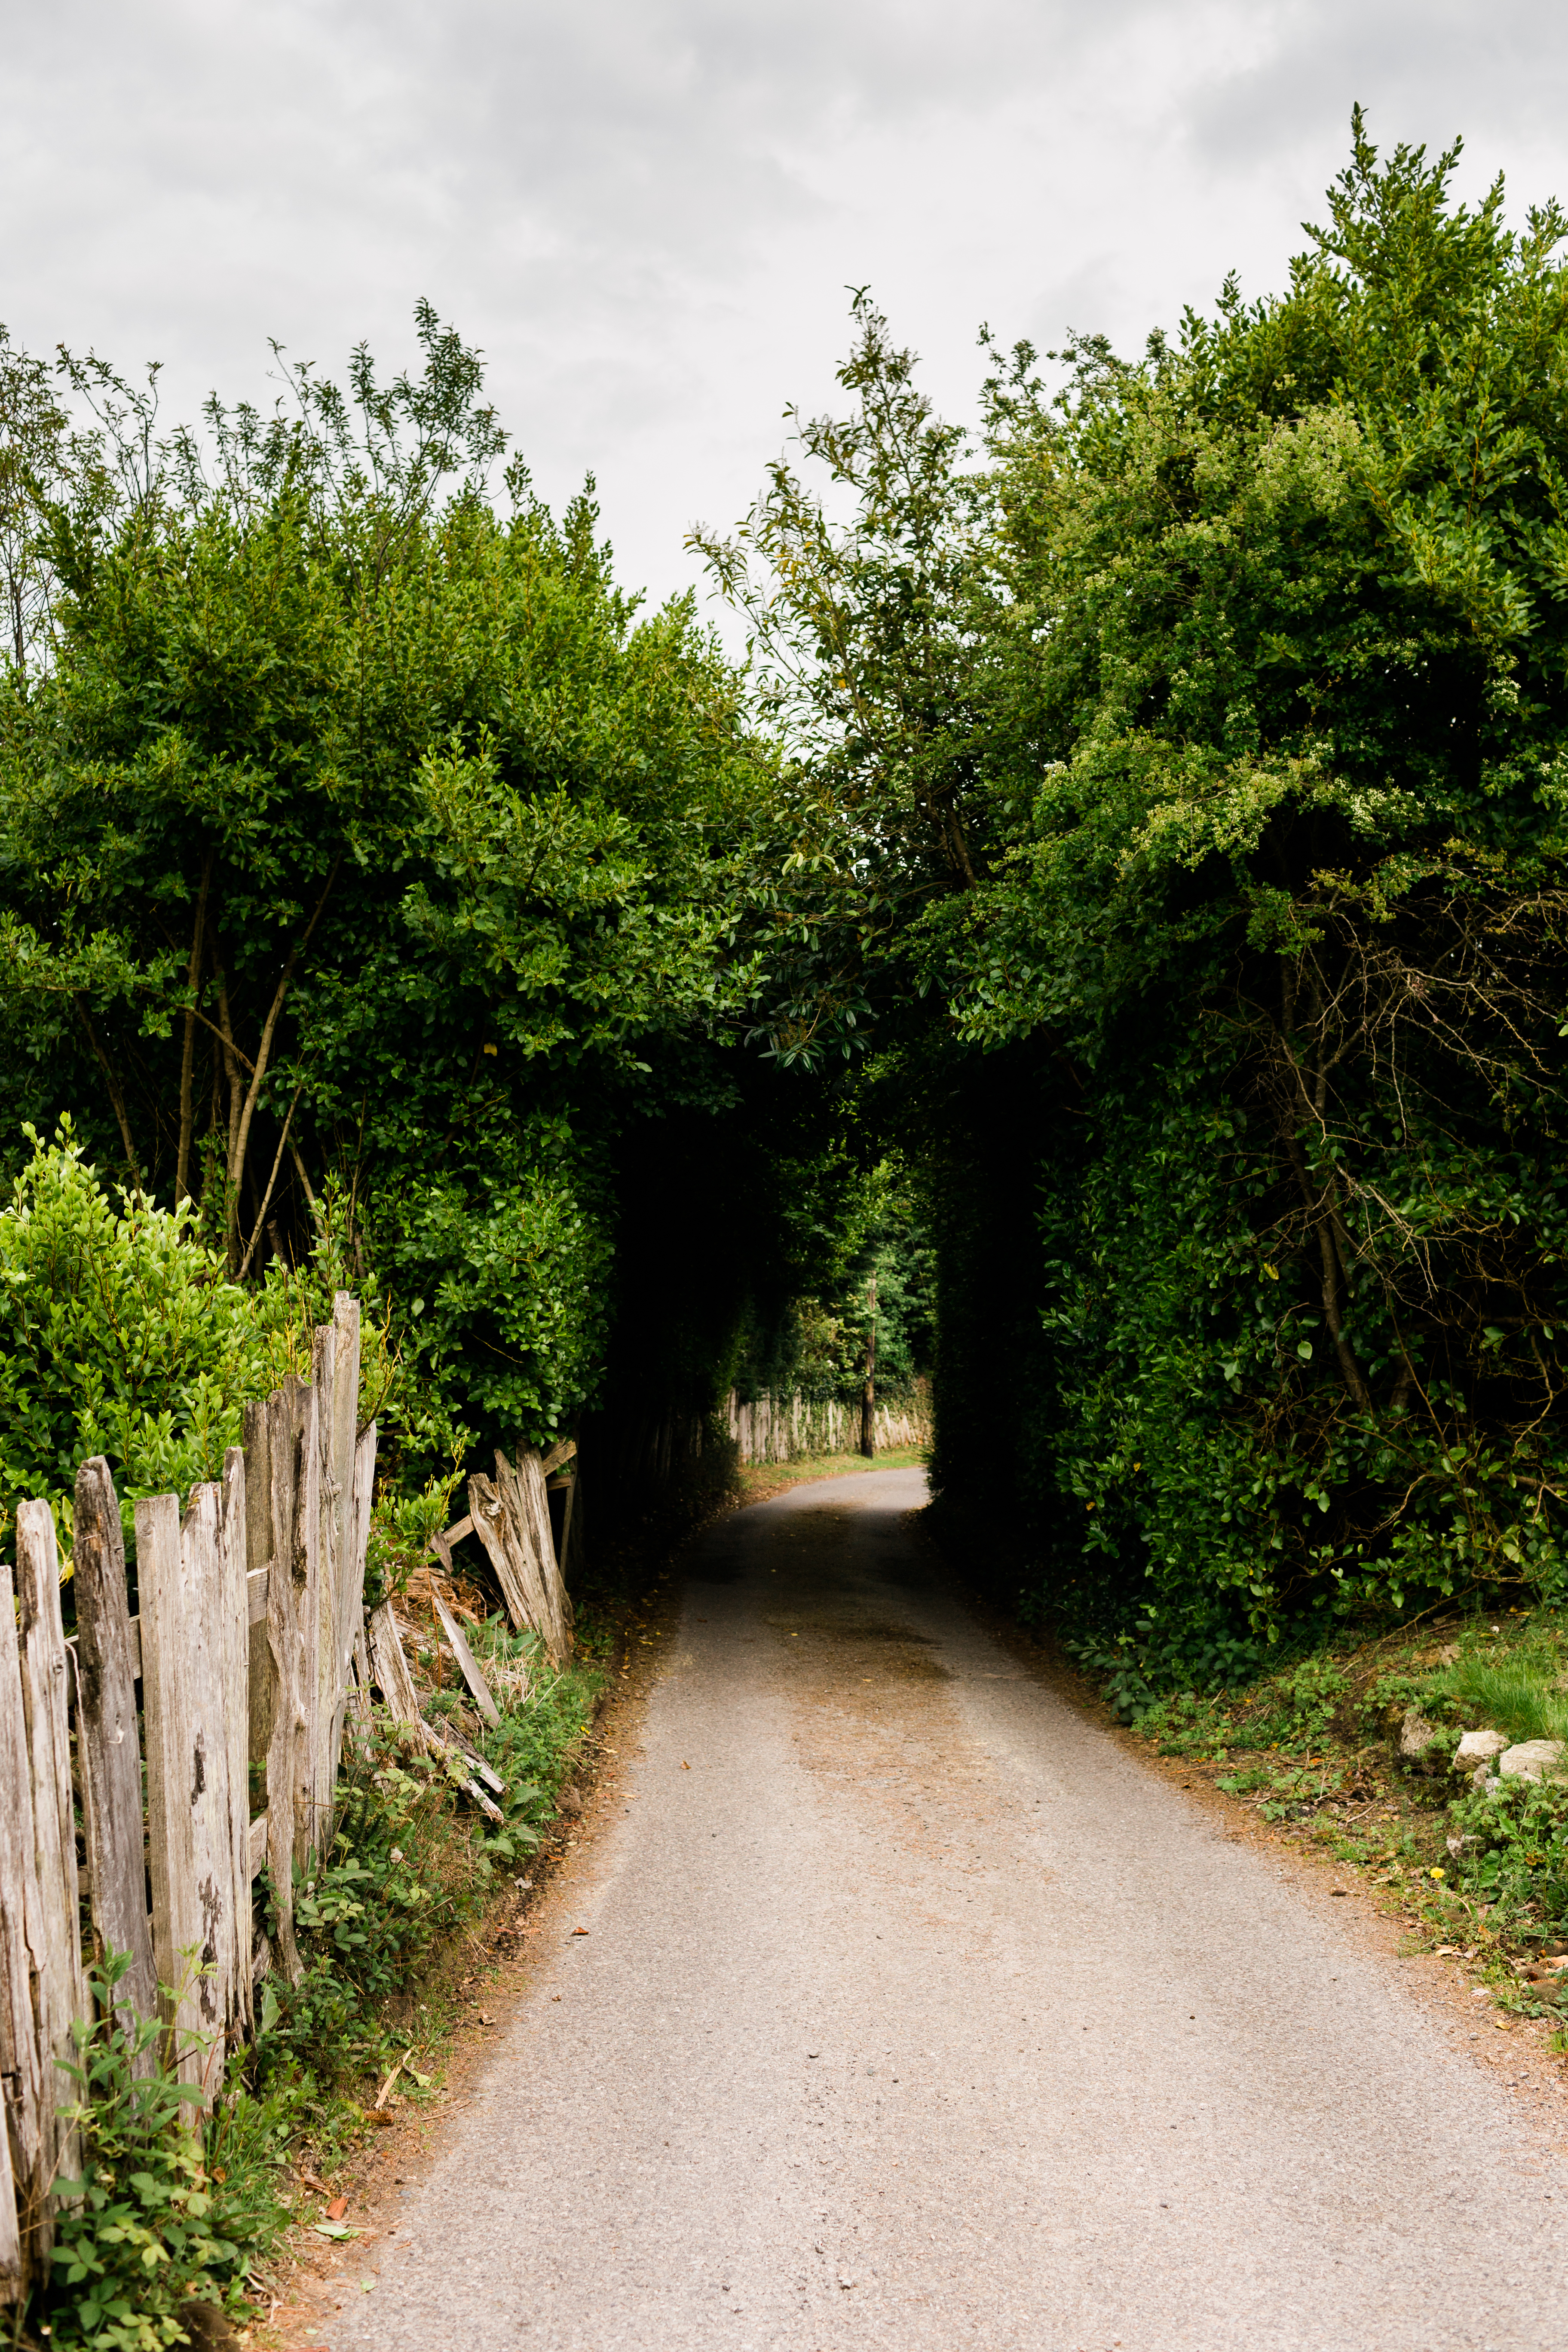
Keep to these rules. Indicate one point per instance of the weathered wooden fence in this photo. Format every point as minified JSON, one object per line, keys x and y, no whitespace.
{"x":252,"y":1648}
{"x":782,"y":1428}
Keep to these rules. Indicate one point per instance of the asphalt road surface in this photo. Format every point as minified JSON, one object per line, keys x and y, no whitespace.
{"x":915,"y":2012}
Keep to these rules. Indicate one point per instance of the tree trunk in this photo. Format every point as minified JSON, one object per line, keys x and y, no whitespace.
{"x":868,"y":1392}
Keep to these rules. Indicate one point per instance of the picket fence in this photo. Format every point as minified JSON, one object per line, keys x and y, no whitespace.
{"x":252,"y":1648}
{"x":783,"y":1428}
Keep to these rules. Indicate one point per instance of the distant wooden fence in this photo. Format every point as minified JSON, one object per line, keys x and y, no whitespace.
{"x":251,"y":1648}
{"x":781,"y":1429}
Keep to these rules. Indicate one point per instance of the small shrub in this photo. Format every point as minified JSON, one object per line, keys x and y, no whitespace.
{"x":403,"y":1871}
{"x":1518,"y":1861}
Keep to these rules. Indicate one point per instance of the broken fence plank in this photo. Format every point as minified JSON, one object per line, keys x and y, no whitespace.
{"x":512,"y":1513}
{"x":389,"y":1671}
{"x":562,"y":1451}
{"x":108,"y":1746}
{"x":522,"y":1484}
{"x":389,"y":1666}
{"x":471,"y":1671}
{"x":255,"y":1845}
{"x":504,"y":1542}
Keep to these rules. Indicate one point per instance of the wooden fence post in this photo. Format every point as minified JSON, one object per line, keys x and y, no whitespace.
{"x":21,"y":2061}
{"x":191,"y":1579}
{"x":60,"y":1993}
{"x":287,"y":1414}
{"x":259,"y":1552}
{"x":353,"y":1655}
{"x":108,"y":1750}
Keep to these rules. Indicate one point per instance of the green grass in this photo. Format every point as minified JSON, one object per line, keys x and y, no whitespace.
{"x":1514,"y":1695}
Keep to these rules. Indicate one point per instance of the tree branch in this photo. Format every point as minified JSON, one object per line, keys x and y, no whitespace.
{"x":188,"y":1058}
{"x":115,"y":1096}
{"x":271,"y":1181}
{"x":240,"y":1137}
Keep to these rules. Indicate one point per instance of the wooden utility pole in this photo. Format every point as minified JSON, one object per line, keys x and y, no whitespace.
{"x":868,"y":1393}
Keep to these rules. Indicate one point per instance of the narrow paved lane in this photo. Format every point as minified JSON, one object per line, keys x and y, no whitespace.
{"x":915,"y":2013}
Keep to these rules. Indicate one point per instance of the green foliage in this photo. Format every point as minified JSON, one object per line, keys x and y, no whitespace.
{"x":1514,"y":1695}
{"x":502,"y":1281}
{"x":1515,"y":1855}
{"x":410,"y":1864}
{"x":404,"y":1870}
{"x":1239,"y":668}
{"x":880,"y":1274}
{"x":359,"y":830}
{"x":1291,"y":891}
{"x":162,"y":2213}
{"x":121,"y":1334}
{"x":531,"y":1748}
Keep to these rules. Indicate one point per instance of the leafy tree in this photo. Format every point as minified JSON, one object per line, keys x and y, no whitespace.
{"x":1290,"y":641}
{"x":1243,"y":1012}
{"x":360,"y":833}
{"x":863,"y":590}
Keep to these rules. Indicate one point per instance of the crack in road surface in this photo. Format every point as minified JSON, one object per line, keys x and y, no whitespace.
{"x":916,"y":2013}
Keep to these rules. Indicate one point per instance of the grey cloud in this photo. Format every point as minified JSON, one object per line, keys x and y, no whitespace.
{"x":645,"y":210}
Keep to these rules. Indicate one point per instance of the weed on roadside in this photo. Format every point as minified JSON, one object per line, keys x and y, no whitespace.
{"x":168,"y":2207}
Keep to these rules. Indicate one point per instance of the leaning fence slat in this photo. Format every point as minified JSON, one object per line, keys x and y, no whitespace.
{"x":523,"y":1486}
{"x":472,"y":1672}
{"x":350,"y":1591}
{"x":20,"y":2059}
{"x":389,"y":1666}
{"x":108,"y":1748}
{"x":61,"y":1996}
{"x":389,"y":1671}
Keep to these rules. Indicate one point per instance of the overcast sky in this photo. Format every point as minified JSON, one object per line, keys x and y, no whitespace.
{"x":647,"y":211}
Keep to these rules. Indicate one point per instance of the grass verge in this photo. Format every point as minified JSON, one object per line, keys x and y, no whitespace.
{"x":1349,"y":1751}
